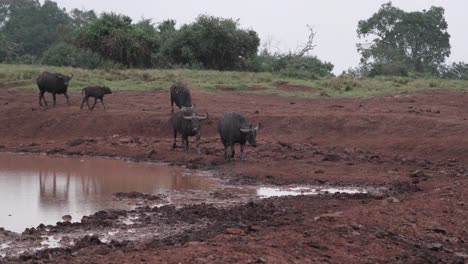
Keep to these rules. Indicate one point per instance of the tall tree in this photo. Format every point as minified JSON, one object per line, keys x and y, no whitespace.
{"x":116,"y":38}
{"x":32,"y":26}
{"x":418,"y":40}
{"x":213,"y":42}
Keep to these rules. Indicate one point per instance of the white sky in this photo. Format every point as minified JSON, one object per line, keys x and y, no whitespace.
{"x":283,"y":23}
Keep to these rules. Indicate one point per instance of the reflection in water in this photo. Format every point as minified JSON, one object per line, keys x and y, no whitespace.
{"x":41,"y":189}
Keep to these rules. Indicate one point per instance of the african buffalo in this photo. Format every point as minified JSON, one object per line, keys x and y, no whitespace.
{"x":180,"y":95}
{"x":187,"y":123}
{"x":97,"y":92}
{"x":54,"y":83}
{"x":233,"y":128}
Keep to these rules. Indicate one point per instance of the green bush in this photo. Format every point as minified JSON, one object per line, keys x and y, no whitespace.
{"x":305,"y":67}
{"x":212,"y":42}
{"x":455,"y":71}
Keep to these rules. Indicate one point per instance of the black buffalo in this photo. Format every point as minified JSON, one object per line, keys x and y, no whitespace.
{"x":233,"y":128}
{"x":187,"y":123}
{"x":180,"y":95}
{"x":97,"y":92}
{"x":54,"y":83}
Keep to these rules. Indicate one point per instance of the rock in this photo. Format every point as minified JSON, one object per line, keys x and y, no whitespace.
{"x":55,"y":151}
{"x":126,"y":140}
{"x":434,"y":246}
{"x":260,"y":260}
{"x":151,"y":154}
{"x":75,"y":142}
{"x":316,"y":245}
{"x":328,"y":217}
{"x":298,"y":156}
{"x":331,"y":157}
{"x":418,"y":174}
{"x":234,"y":231}
{"x":390,"y":200}
{"x":439,"y":230}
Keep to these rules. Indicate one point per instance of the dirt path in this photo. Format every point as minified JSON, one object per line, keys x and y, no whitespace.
{"x":415,"y":143}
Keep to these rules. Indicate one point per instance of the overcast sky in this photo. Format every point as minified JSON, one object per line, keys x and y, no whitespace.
{"x":283,"y":23}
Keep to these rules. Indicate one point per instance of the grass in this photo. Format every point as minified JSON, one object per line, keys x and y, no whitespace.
{"x":24,"y":76}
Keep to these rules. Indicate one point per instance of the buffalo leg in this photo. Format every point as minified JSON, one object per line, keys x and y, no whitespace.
{"x":82,"y":103}
{"x":198,"y":145}
{"x":53,"y":96}
{"x":242,"y":155}
{"x":233,"y":152}
{"x":175,"y":139}
{"x":41,"y":95}
{"x":43,"y":98}
{"x":102,"y":102}
{"x":172,"y":104}
{"x":185,"y":140}
{"x":95,"y":101}
{"x":226,"y":146}
{"x":87,"y":102}
{"x":68,"y":99}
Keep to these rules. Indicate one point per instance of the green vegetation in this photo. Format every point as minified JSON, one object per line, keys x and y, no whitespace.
{"x":35,"y":33}
{"x":23,"y":77}
{"x":402,"y":42}
{"x":394,"y":43}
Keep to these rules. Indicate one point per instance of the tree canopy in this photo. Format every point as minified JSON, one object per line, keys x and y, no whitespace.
{"x":413,"y":41}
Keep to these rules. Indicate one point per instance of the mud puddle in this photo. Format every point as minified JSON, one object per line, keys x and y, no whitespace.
{"x":112,"y":200}
{"x":38,"y":189}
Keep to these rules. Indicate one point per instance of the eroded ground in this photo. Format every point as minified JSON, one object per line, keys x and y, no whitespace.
{"x":413,"y":144}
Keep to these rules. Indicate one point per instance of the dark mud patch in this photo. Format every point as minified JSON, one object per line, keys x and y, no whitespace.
{"x":138,"y":195}
{"x":216,"y":221}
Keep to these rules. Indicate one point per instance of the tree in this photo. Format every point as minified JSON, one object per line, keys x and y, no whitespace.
{"x":213,"y":43}
{"x":81,"y":18}
{"x":457,"y":71}
{"x":418,"y":41}
{"x":114,"y":37}
{"x":32,"y":26}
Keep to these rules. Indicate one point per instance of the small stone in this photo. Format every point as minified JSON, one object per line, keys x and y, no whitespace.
{"x":331,"y":157}
{"x":260,"y":260}
{"x":125,"y":140}
{"x":234,"y":231}
{"x":439,"y":230}
{"x":390,"y":200}
{"x":434,"y":246}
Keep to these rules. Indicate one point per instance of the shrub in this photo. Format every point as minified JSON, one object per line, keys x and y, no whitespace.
{"x":303,"y":67}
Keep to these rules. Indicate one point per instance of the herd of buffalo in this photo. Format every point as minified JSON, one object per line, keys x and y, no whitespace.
{"x":233,"y":128}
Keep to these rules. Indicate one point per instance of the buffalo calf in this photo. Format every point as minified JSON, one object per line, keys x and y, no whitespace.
{"x":97,"y":92}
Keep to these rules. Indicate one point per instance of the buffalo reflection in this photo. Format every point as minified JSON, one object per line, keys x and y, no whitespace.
{"x":41,"y":188}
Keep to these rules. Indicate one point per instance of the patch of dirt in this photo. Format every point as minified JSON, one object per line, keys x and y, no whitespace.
{"x":420,"y":156}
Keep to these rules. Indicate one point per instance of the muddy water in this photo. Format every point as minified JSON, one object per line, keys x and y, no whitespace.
{"x":41,"y":189}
